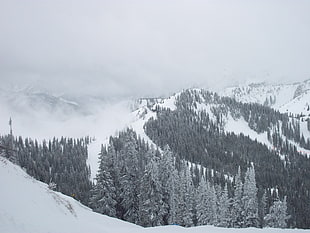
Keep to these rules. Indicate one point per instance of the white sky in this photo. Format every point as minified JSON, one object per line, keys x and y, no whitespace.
{"x":145,"y":48}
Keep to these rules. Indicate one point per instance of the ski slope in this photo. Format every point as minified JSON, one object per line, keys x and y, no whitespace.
{"x":28,"y":206}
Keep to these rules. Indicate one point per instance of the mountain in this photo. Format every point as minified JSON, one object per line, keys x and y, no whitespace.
{"x":30,"y":206}
{"x":31,"y":101}
{"x":291,"y":98}
{"x":28,"y":100}
{"x":205,"y":129}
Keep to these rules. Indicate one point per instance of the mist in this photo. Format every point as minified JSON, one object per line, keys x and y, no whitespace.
{"x":150,"y":48}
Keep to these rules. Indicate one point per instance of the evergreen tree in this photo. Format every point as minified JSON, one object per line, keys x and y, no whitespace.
{"x":168,"y":179}
{"x":202,"y":202}
{"x":238,"y":218}
{"x":185,"y":195}
{"x":249,"y":199}
{"x":150,"y":196}
{"x":262,"y":209}
{"x":129,"y":179}
{"x":277,"y":216}
{"x":103,"y":196}
{"x":212,"y":205}
{"x":223,"y":208}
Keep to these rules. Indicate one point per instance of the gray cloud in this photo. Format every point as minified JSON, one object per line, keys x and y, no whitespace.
{"x":152,"y":47}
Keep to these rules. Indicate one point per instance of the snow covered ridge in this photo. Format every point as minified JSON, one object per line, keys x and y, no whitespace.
{"x":27,"y":205}
{"x":292,"y":98}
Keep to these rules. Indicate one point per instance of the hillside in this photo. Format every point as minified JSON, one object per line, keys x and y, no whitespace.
{"x":27,"y":205}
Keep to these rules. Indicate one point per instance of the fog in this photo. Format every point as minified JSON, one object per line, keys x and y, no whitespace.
{"x":150,"y":48}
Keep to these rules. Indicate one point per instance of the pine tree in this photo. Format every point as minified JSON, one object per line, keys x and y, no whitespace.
{"x":185,"y":194}
{"x":129,"y":179}
{"x":277,"y":216}
{"x":262,"y":209}
{"x":223,"y":208}
{"x":237,"y":208}
{"x":168,"y":178}
{"x":150,"y":196}
{"x":103,"y":193}
{"x":212,"y":205}
{"x":202,"y":199}
{"x":249,"y":199}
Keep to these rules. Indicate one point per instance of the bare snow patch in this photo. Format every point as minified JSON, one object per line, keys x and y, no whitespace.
{"x":240,"y":125}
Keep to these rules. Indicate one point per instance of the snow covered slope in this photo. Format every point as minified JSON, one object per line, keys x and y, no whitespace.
{"x":28,"y":206}
{"x":294,"y":98}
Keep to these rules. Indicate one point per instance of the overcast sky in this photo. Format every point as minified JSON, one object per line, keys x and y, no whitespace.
{"x":144,"y":47}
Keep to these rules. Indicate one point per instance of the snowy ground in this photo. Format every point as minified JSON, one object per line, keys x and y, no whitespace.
{"x":28,"y":206}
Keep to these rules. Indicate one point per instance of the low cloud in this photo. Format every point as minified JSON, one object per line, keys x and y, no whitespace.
{"x":148,"y":48}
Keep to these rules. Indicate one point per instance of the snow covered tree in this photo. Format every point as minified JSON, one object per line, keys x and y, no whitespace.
{"x":249,"y":199}
{"x":206,"y":204}
{"x":103,"y":193}
{"x":223,"y":209}
{"x":277,"y":216}
{"x":237,"y":207}
{"x":211,"y":205}
{"x":185,"y":200}
{"x":129,"y":179}
{"x":202,"y":211}
{"x":150,"y":196}
{"x":168,"y":178}
{"x":262,"y":204}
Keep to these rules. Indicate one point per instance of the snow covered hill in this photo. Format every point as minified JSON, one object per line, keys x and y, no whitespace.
{"x":29,"y":206}
{"x":292,"y":98}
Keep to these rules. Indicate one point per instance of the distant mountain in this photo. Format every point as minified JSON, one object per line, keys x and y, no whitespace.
{"x":29,"y":100}
{"x":291,"y":98}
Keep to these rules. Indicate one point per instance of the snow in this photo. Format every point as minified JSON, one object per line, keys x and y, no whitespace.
{"x":297,"y":105}
{"x":207,"y":108}
{"x":168,"y":103}
{"x":236,"y":126}
{"x":241,"y":126}
{"x":141,"y":116}
{"x":28,"y":206}
{"x":304,"y":129}
{"x":286,"y":95}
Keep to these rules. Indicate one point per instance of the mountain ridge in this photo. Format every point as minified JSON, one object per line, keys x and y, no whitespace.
{"x":278,"y":96}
